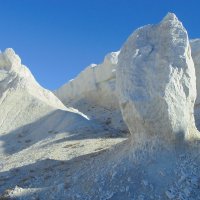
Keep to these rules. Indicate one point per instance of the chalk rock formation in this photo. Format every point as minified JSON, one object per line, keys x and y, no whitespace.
{"x":93,"y":92}
{"x":156,"y":81}
{"x":195,"y":48}
{"x":94,"y":84}
{"x":23,"y":101}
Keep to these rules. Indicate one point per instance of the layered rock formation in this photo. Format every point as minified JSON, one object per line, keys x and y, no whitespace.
{"x":156,"y":81}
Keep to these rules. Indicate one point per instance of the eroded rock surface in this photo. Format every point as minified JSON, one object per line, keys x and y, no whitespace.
{"x":93,"y":92}
{"x":195,"y":47}
{"x":156,"y":81}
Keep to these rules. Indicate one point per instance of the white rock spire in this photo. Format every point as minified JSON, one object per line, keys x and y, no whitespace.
{"x":156,"y":81}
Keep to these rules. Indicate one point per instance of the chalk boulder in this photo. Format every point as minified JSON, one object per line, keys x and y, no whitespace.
{"x":156,"y":81}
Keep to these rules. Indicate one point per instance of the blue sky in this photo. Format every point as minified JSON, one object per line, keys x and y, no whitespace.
{"x":57,"y":39}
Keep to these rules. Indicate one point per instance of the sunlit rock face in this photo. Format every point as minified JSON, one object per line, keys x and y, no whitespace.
{"x":195,"y":48}
{"x":94,"y":85}
{"x":93,"y":92}
{"x":156,"y":81}
{"x":24,"y":102}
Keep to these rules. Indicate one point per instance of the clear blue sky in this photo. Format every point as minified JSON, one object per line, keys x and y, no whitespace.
{"x":57,"y":39}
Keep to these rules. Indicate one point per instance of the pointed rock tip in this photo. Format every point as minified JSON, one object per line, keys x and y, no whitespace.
{"x":170,"y":17}
{"x":13,"y":58}
{"x":112,"y":57}
{"x":9,"y":51}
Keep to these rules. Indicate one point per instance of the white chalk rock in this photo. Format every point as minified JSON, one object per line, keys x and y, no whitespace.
{"x":23,"y":101}
{"x":93,"y":92}
{"x":156,"y":81}
{"x":195,"y":48}
{"x":95,"y":84}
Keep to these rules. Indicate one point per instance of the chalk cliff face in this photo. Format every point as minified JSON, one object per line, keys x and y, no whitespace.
{"x":22,"y":99}
{"x":195,"y":47}
{"x":156,"y":81}
{"x":96,"y":84}
{"x":93,"y":92}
